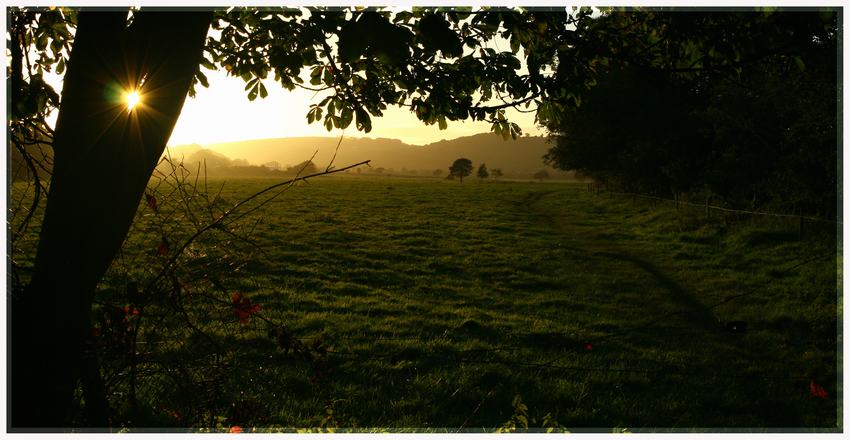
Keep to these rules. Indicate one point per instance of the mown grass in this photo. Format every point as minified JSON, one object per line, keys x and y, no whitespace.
{"x":440,"y":302}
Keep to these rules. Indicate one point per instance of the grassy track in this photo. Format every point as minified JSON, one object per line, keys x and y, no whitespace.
{"x":440,"y":302}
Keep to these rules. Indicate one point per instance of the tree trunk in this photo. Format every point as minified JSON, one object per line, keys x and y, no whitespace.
{"x":103,"y":158}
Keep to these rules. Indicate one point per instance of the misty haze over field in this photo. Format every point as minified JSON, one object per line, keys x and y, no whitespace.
{"x":520,"y":157}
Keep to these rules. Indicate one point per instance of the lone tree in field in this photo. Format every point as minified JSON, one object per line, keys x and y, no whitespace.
{"x":482,"y":172}
{"x":127,"y":73}
{"x":541,"y":175}
{"x":497,"y":172}
{"x":461,"y":168}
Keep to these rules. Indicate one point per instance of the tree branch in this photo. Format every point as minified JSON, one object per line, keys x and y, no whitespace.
{"x":217,"y":222}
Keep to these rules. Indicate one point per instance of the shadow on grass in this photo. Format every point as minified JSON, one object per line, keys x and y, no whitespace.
{"x":678,"y":294}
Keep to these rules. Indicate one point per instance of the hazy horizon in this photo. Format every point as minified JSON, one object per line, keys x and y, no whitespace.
{"x":523,"y":155}
{"x":336,"y":137}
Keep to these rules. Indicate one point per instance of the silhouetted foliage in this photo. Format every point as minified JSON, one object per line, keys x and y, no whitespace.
{"x":542,"y":175}
{"x":482,"y":172}
{"x":635,"y":128}
{"x":761,"y":135}
{"x":497,"y":172}
{"x":303,"y":168}
{"x":461,"y":168}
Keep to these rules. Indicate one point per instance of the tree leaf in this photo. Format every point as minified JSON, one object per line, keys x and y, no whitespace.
{"x":505,"y":129}
{"x":800,"y":64}
{"x":316,"y":76}
{"x":327,"y":76}
{"x":202,"y":79}
{"x":346,"y":116}
{"x":362,"y":120}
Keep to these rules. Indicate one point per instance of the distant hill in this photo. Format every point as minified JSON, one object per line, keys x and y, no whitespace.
{"x":522,"y":156}
{"x":195,"y":157}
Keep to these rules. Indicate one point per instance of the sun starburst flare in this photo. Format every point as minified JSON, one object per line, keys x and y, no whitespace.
{"x":132,"y":98}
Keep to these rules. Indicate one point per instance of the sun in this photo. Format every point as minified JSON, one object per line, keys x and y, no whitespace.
{"x":132,"y":99}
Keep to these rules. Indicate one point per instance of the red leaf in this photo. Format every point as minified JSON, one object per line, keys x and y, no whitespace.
{"x":818,"y":391}
{"x":163,"y":247}
{"x":242,"y":307}
{"x":588,"y":346}
{"x":152,"y":202}
{"x":236,"y":429}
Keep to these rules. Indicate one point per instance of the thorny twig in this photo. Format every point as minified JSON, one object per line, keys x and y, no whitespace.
{"x":218,"y":221}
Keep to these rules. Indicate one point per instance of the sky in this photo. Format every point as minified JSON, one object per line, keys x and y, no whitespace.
{"x":223,"y":113}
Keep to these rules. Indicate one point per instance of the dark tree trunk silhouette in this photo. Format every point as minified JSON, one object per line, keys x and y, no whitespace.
{"x":103,"y":158}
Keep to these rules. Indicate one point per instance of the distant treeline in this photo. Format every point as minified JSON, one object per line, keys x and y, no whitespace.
{"x":763,"y":136}
{"x":218,"y":165}
{"x":214,"y":164}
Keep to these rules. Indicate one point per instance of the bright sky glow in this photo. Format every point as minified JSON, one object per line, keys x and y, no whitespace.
{"x":223,"y":113}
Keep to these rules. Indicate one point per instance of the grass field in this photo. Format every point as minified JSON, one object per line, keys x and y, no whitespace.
{"x":439,"y":303}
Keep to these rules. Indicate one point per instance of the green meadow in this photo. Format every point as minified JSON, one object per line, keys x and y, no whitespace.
{"x":434,"y":305}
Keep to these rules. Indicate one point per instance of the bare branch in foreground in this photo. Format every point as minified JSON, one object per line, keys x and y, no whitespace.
{"x":218,"y":221}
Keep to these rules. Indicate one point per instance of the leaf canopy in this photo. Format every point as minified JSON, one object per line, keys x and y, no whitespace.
{"x":443,"y":64}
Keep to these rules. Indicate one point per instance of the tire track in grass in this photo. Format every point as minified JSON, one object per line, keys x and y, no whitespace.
{"x":677,"y":374}
{"x":676,"y":293}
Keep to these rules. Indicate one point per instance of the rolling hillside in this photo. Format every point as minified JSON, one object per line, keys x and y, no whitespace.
{"x":521,"y":156}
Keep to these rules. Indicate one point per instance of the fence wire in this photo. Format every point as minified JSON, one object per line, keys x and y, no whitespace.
{"x":708,"y":207}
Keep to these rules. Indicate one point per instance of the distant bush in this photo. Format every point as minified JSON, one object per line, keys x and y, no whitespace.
{"x":542,"y":175}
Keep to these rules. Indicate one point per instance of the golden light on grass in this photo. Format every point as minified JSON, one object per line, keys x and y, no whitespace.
{"x":132,"y":98}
